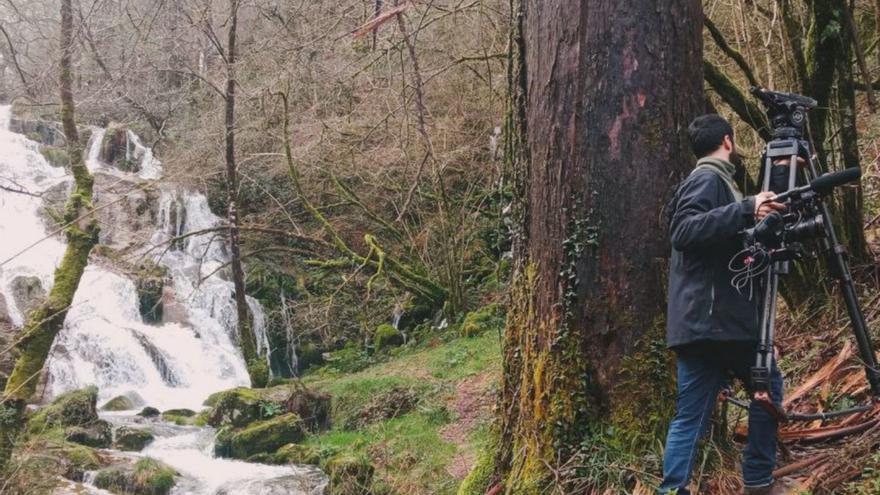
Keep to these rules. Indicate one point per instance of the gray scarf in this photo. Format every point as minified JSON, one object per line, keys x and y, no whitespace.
{"x":723,"y":169}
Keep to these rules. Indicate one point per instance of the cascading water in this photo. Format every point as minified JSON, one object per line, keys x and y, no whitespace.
{"x":175,"y":363}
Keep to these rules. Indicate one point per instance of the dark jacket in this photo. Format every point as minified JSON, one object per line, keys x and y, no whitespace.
{"x":705,"y":222}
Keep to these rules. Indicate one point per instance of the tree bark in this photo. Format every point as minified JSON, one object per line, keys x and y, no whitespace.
{"x":81,"y":233}
{"x":257,"y":368}
{"x":606,"y":92}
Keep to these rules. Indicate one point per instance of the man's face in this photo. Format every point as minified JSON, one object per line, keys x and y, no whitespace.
{"x":730,"y":145}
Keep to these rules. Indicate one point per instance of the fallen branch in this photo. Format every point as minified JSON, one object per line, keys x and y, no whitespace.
{"x":377,"y":22}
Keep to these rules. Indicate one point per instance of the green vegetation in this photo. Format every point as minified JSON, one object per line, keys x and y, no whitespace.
{"x":387,"y":336}
{"x":146,"y":477}
{"x":412,"y":449}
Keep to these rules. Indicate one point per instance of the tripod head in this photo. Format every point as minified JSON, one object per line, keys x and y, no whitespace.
{"x":787,"y":111}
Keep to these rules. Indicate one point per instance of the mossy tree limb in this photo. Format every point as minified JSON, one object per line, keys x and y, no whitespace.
{"x":402,"y":274}
{"x":598,"y":159}
{"x":81,"y":232}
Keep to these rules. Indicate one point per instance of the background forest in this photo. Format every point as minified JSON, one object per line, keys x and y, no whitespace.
{"x":366,"y":158}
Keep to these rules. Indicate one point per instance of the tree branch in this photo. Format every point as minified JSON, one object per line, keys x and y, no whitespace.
{"x":730,"y":51}
{"x":747,"y":110}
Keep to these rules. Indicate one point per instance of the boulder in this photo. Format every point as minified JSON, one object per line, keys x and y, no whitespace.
{"x":146,"y":477}
{"x":149,"y":412}
{"x":41,"y":131}
{"x":118,"y":403}
{"x":132,"y":439}
{"x":76,"y":408}
{"x":261,"y":437}
{"x":97,"y":434}
{"x":387,"y":336}
{"x":242,"y":406}
{"x":38,"y":463}
{"x":485,"y":318}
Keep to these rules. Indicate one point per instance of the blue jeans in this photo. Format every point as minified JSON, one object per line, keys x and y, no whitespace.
{"x":702,"y":372}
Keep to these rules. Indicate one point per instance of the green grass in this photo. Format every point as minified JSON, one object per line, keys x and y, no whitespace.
{"x":408,"y":452}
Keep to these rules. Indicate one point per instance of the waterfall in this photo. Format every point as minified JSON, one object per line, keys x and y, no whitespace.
{"x":174,"y":363}
{"x":25,"y":250}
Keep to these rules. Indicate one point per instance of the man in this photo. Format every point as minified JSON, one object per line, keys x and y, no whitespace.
{"x":712,"y":327}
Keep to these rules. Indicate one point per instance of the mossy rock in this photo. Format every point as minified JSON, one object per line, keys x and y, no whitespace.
{"x":387,"y":336}
{"x":118,"y":403}
{"x":485,"y":318}
{"x":76,"y":408}
{"x":349,"y":474}
{"x":294,"y":453}
{"x":180,"y":416}
{"x":261,"y":437}
{"x":37,"y":464}
{"x":150,"y":283}
{"x":149,"y":412}
{"x":132,"y":439}
{"x":97,"y":434}
{"x":237,"y":407}
{"x":146,"y":477}
{"x":56,"y":157}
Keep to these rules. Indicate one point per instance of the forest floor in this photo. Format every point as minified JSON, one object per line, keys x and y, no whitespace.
{"x":420,"y":415}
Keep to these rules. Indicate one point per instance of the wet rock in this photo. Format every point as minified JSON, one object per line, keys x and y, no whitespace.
{"x":54,"y":199}
{"x":242,"y":406}
{"x":39,"y":462}
{"x":27,"y":292}
{"x":42,"y":131}
{"x":146,"y":477}
{"x":56,"y":157}
{"x":97,"y":434}
{"x":180,"y":416}
{"x":131,"y":221}
{"x":260,"y":437}
{"x":119,"y":403}
{"x":116,"y":150}
{"x":132,"y":439}
{"x":149,"y":412}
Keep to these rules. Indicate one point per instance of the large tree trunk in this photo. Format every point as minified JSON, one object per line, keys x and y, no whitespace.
{"x":257,"y":368}
{"x":607,"y":90}
{"x":81,"y":233}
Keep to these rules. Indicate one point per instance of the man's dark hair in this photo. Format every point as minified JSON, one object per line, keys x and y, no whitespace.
{"x":707,"y":133}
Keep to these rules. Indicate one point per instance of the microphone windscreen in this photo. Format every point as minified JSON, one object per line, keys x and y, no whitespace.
{"x":826,"y":183}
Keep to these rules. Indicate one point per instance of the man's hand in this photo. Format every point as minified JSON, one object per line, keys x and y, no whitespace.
{"x":764,"y":205}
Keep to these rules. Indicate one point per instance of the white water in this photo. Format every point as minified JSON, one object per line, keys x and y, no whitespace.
{"x":104,"y":341}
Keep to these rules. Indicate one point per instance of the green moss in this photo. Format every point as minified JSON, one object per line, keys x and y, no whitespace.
{"x":76,"y":408}
{"x":387,"y":336}
{"x":146,"y":477}
{"x":241,"y":406}
{"x":56,"y":157}
{"x":482,"y":475}
{"x":260,"y":437}
{"x":39,"y":462}
{"x":132,"y":439}
{"x":258,"y":370}
{"x":119,"y":403}
{"x":476,"y":322}
{"x":299,"y":454}
{"x":349,"y":474}
{"x":149,"y":412}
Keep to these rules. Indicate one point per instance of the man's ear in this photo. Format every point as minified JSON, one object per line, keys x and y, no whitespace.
{"x":728,"y":143}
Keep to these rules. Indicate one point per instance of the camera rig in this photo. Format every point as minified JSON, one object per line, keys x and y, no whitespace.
{"x":776,"y":241}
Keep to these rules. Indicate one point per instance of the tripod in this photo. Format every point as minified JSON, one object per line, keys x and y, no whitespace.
{"x":787,"y":114}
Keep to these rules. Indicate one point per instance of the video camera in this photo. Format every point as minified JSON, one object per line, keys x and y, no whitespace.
{"x":803,"y":220}
{"x":787,"y":111}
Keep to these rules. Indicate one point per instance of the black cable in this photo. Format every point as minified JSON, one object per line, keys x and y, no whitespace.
{"x":810,"y":417}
